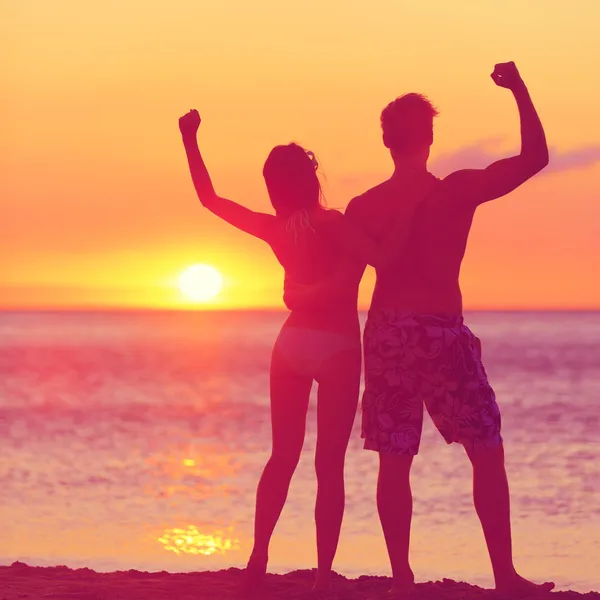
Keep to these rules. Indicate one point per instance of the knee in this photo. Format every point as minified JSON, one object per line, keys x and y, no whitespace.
{"x":329,"y":467}
{"x":284,"y":462}
{"x":395,"y":467}
{"x":394,"y":477}
{"x":487,"y":460}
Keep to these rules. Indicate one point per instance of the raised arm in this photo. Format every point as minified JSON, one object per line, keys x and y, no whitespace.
{"x":254,"y":223}
{"x":480,"y":185}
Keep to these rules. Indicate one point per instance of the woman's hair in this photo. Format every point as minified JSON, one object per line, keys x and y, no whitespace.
{"x":290,"y":173}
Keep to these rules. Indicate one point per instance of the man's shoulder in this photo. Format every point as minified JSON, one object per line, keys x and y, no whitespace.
{"x":452,"y":191}
{"x":457,"y":181}
{"x":362,"y":201}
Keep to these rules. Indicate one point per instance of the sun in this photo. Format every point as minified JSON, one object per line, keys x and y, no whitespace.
{"x":200,"y":283}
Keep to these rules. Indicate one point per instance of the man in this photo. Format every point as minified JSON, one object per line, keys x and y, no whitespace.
{"x":417,"y":349}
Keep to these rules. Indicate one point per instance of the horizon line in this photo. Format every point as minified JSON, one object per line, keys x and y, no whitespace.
{"x":275,"y":309}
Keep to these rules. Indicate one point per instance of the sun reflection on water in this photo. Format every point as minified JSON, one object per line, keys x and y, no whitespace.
{"x":191,"y":541}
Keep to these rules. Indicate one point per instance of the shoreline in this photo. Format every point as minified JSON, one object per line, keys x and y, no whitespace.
{"x":20,"y":581}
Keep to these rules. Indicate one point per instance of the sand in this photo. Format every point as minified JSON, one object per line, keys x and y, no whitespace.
{"x":20,"y":581}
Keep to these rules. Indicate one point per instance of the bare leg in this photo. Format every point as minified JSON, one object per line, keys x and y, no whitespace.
{"x":339,"y":383}
{"x":289,"y":403}
{"x":491,"y":496}
{"x":394,"y":502}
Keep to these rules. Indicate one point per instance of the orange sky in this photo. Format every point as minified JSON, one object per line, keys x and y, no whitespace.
{"x":96,"y":202}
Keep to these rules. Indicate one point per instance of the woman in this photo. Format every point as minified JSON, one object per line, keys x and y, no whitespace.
{"x":312,"y":244}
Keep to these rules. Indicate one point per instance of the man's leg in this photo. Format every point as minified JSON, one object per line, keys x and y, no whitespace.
{"x":492,"y":502}
{"x":469,"y":414}
{"x":394,"y":503}
{"x":392,"y":420}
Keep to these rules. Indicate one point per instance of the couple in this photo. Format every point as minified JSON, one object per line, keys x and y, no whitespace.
{"x":413,"y":229}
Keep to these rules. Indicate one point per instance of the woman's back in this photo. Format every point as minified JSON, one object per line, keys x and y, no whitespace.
{"x":309,"y":253}
{"x":305,"y":248}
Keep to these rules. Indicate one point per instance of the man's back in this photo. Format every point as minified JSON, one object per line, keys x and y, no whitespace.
{"x":426,"y":279}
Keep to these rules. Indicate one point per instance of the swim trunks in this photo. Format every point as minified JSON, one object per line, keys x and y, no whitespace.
{"x":413,"y":360}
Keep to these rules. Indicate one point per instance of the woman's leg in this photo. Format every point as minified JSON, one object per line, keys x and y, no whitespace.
{"x":339,"y":383}
{"x":289,"y":403}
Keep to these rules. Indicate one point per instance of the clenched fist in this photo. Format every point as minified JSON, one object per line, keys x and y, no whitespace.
{"x":506,"y":75}
{"x":189,"y":123}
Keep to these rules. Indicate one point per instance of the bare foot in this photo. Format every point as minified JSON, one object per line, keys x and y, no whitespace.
{"x":323,"y":593}
{"x":323,"y":586}
{"x":517,"y":587}
{"x":254,"y":576}
{"x":401,"y":589}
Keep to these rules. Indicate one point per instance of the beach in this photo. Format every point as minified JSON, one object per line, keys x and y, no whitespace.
{"x":20,"y":581}
{"x":135,"y":441}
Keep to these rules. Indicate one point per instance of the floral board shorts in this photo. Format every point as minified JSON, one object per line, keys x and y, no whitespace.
{"x":413,"y":360}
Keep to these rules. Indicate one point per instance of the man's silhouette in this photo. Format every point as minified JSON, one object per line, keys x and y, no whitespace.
{"x":417,"y":349}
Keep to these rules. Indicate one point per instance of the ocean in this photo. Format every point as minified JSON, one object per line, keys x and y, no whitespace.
{"x":134,"y":440}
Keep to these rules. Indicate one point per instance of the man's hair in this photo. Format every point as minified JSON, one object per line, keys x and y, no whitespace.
{"x":407,"y":123}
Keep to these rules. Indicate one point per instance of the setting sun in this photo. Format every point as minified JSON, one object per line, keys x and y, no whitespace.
{"x":200,"y":283}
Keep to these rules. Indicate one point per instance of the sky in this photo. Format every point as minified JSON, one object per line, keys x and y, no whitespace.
{"x":96,"y":201}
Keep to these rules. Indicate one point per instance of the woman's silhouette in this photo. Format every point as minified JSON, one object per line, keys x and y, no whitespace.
{"x":323,"y":344}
